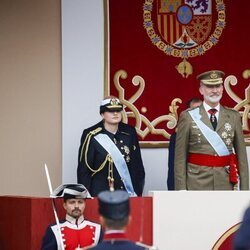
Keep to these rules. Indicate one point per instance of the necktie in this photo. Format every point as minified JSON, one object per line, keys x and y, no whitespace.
{"x":213,"y":118}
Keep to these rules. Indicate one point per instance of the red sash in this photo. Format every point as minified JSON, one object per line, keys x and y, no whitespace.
{"x":217,"y":161}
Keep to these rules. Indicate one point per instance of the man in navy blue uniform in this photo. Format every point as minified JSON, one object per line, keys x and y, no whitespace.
{"x":109,"y":156}
{"x":114,"y":209}
{"x":242,"y":236}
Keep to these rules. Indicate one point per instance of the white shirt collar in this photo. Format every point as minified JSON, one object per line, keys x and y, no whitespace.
{"x":207,"y":107}
{"x":73,"y":220}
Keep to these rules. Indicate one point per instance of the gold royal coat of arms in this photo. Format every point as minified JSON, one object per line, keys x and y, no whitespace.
{"x":184,"y":28}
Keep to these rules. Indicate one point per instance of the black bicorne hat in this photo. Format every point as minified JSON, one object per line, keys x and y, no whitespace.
{"x":71,"y":191}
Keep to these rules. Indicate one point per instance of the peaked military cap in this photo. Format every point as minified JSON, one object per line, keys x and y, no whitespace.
{"x":111,"y":104}
{"x":71,"y":191}
{"x":114,"y":204}
{"x":213,"y":77}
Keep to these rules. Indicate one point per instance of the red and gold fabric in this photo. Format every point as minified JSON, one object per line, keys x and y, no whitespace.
{"x":156,"y":48}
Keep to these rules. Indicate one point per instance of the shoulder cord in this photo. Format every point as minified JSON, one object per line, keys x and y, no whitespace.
{"x":86,"y":141}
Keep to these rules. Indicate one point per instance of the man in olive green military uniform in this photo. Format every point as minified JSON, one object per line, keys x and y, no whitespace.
{"x":210,"y":152}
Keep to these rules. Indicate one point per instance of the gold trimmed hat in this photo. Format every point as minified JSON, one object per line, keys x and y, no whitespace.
{"x":111,"y":105}
{"x":213,"y":77}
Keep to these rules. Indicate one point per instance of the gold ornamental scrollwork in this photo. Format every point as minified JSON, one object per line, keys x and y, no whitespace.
{"x":246,"y":74}
{"x":140,"y":119}
{"x":242,"y":105}
{"x":145,"y":127}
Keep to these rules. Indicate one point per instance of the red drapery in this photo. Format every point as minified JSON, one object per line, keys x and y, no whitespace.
{"x":145,"y":39}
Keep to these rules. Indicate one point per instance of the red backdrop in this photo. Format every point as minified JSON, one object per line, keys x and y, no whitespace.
{"x":132,"y":50}
{"x":25,"y":219}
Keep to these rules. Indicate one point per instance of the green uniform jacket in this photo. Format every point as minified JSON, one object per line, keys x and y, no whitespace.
{"x":190,"y":140}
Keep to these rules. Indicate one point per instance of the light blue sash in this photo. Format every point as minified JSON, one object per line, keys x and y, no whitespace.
{"x":119,"y":161}
{"x":212,"y":136}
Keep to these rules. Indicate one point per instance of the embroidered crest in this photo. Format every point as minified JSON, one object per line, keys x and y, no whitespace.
{"x":126,"y":149}
{"x":227,"y":134}
{"x":228,"y":126}
{"x":224,"y":135}
{"x":228,"y":141}
{"x":127,"y":158}
{"x":183,"y":28}
{"x":114,"y":102}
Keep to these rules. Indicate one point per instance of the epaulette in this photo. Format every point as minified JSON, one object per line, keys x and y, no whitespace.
{"x":229,"y":108}
{"x":95,"y":131}
{"x":87,"y":139}
{"x":232,"y":110}
{"x":125,"y":133}
{"x":86,"y":146}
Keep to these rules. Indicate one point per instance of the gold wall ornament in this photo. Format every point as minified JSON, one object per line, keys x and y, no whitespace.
{"x":141,"y":119}
{"x":184,"y":28}
{"x":184,"y":68}
{"x":136,"y":81}
{"x":173,"y":107}
{"x":144,"y":126}
{"x":241,"y":103}
{"x":246,"y":74}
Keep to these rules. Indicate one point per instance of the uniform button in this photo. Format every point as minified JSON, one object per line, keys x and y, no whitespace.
{"x":121,"y":141}
{"x":121,"y":187}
